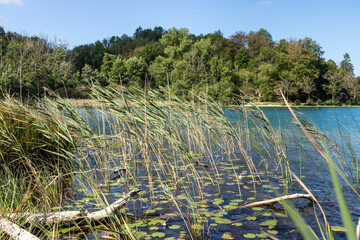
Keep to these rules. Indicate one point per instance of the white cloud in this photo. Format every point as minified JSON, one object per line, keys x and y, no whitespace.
{"x":2,"y":17}
{"x":262,"y":3}
{"x":16,"y":2}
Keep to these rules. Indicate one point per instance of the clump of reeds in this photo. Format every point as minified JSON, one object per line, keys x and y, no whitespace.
{"x":37,"y":145}
{"x":33,"y":138}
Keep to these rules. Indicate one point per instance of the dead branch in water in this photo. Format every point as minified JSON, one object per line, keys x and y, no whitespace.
{"x":67,"y":217}
{"x":278,"y":199}
{"x":14,"y":231}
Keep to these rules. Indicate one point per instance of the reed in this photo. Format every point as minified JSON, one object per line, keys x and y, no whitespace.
{"x":194,"y":165}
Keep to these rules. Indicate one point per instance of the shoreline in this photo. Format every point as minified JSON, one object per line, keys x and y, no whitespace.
{"x":93,"y":103}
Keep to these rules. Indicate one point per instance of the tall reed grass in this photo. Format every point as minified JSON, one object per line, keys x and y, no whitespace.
{"x":194,"y":164}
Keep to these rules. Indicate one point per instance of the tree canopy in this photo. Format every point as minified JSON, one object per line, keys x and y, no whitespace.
{"x":245,"y":63}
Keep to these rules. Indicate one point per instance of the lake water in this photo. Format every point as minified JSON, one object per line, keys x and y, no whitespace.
{"x":220,"y":204}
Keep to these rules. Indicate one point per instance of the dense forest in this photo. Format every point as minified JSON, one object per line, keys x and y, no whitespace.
{"x":245,"y":63}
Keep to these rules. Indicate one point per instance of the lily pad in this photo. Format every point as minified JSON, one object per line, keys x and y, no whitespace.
{"x":158,"y":234}
{"x":238,"y":224}
{"x":174,"y":227}
{"x":249,"y":235}
{"x":227,"y":235}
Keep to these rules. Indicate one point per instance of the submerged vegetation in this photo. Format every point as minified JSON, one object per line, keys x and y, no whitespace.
{"x":198,"y":164}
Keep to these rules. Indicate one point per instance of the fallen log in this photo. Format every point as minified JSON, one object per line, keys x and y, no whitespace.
{"x":14,"y":231}
{"x":270,"y":202}
{"x":67,"y":217}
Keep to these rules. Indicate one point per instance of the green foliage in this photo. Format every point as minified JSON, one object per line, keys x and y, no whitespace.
{"x":136,"y":69}
{"x":346,"y":64}
{"x":160,"y":70}
{"x":117,"y":72}
{"x":176,"y":42}
{"x":246,"y":62}
{"x":242,"y":58}
{"x":310,"y":102}
{"x":297,"y":102}
{"x":35,"y":138}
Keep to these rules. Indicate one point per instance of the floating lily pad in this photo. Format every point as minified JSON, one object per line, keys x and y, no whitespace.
{"x":249,"y":235}
{"x":273,"y":232}
{"x":238,"y":224}
{"x":228,"y":207}
{"x":158,"y":234}
{"x":261,"y":235}
{"x":269,"y":223}
{"x":174,"y":227}
{"x":266,"y":214}
{"x":227,"y":235}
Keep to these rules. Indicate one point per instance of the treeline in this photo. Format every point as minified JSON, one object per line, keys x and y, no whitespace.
{"x":246,"y":63}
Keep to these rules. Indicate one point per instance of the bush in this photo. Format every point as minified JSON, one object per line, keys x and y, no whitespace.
{"x":337,"y":102}
{"x":297,"y":102}
{"x":319,"y":102}
{"x":310,"y":102}
{"x":328,"y":102}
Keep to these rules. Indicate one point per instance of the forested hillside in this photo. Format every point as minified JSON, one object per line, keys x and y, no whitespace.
{"x":246,"y":63}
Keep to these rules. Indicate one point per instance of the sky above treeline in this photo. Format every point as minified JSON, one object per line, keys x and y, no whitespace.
{"x":334,"y":24}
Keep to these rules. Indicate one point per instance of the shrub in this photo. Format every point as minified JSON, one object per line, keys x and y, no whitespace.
{"x":328,"y":102}
{"x":297,"y":102}
{"x":310,"y":102}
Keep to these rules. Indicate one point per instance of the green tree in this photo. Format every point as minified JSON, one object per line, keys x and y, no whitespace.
{"x":91,"y":76}
{"x":136,"y":69}
{"x":160,"y":71}
{"x":333,"y":87}
{"x":176,"y":42}
{"x":149,"y":52}
{"x":346,"y":64}
{"x":242,"y":58}
{"x":107,"y":63}
{"x":351,"y":84}
{"x":183,"y":78}
{"x":286,"y":83}
{"x":308,"y":85}
{"x":258,"y":40}
{"x":266,"y":81}
{"x":117,"y":72}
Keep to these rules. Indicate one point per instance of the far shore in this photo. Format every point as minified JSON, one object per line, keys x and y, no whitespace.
{"x":94,"y":103}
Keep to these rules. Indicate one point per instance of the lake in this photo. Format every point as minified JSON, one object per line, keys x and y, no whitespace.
{"x":200,"y":190}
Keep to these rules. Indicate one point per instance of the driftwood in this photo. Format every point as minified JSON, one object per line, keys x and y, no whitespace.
{"x":278,"y":199}
{"x":67,"y":217}
{"x":14,"y":231}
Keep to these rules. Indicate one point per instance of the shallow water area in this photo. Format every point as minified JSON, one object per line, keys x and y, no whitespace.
{"x":204,"y":197}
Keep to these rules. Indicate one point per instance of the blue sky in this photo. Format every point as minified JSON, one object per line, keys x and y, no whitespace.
{"x":334,"y":24}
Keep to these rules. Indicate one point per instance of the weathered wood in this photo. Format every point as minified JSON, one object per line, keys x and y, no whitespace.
{"x":14,"y":231}
{"x":278,"y":199}
{"x":67,"y":217}
{"x":113,"y":207}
